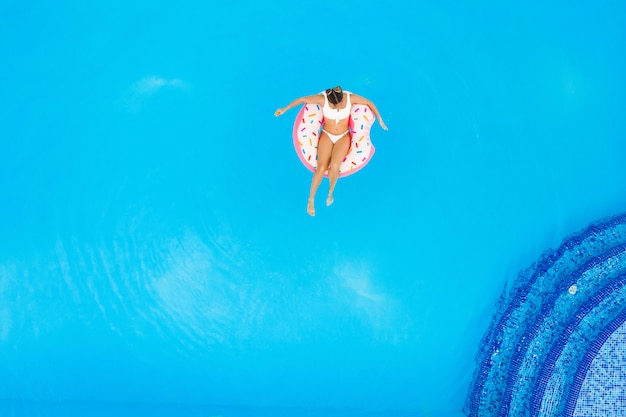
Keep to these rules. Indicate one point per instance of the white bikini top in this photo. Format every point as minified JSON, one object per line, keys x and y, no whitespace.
{"x":337,"y":114}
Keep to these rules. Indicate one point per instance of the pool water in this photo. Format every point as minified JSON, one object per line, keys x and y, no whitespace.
{"x":156,"y":257}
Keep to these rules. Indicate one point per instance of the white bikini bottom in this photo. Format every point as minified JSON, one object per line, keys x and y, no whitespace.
{"x":335,"y":138}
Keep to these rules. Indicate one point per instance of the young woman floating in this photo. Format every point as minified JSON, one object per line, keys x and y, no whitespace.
{"x":343,"y":146}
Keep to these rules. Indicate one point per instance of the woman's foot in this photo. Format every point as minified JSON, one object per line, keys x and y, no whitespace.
{"x":330,"y":200}
{"x":311,"y":207}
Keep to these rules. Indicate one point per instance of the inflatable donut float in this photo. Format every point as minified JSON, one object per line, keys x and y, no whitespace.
{"x":307,"y":129}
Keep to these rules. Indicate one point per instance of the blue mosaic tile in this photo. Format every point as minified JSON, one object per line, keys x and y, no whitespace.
{"x":603,"y":389}
{"x":542,"y":334}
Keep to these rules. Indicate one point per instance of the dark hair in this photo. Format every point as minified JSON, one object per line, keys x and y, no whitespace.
{"x":335,"y":95}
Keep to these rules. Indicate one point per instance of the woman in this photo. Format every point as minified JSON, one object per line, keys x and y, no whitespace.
{"x":334,"y":142}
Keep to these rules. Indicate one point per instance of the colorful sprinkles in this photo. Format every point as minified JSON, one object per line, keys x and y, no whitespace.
{"x":307,"y":132}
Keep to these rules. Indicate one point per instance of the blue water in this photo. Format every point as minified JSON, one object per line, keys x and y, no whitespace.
{"x":155,"y":252}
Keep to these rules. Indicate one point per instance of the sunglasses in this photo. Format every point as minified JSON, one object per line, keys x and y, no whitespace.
{"x":336,"y":90}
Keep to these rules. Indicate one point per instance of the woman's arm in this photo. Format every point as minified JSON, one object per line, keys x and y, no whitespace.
{"x":356,"y":99}
{"x":315,"y":99}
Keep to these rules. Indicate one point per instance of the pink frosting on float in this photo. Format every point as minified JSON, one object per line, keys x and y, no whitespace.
{"x":307,"y":129}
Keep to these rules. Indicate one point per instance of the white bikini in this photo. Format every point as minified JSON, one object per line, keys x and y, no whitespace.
{"x":337,"y":114}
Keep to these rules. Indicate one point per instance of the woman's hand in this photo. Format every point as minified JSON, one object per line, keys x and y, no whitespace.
{"x":382,"y":124}
{"x":279,"y":112}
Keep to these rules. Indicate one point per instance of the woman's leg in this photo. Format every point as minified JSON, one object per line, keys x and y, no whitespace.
{"x":324,"y":151}
{"x":340,"y":150}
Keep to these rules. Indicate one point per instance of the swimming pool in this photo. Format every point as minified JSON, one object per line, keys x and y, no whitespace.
{"x":156,"y":256}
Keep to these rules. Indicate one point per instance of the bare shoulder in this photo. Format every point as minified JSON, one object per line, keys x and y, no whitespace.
{"x":357,"y":99}
{"x":314,"y":99}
